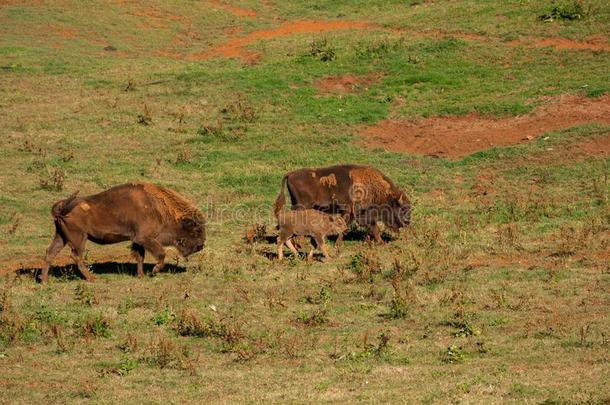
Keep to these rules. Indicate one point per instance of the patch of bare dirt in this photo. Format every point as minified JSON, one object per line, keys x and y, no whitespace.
{"x":458,"y":136}
{"x":238,"y":11}
{"x":597,"y":146}
{"x":234,"y":48}
{"x":346,"y":83}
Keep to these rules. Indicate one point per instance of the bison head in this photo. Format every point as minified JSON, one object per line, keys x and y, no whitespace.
{"x":399,"y":213}
{"x":337,"y":224}
{"x":191,"y":235}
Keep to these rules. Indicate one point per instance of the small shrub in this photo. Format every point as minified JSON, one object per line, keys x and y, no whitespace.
{"x":14,"y":221}
{"x":130,"y":344}
{"x":211,"y":131}
{"x":163,"y":352}
{"x":126,"y":305}
{"x":12,"y":325}
{"x":322,"y":50}
{"x":463,"y":324}
{"x":145,"y":118}
{"x":54,"y":181}
{"x":122,"y":368}
{"x":404,"y":297}
{"x":185,"y":156}
{"x":381,"y":48}
{"x":84,"y":295}
{"x":240,"y":110}
{"x":565,"y":10}
{"x":96,"y":326}
{"x":163,"y":317}
{"x":365,"y":266}
{"x":189,"y":324}
{"x":256,"y":232}
{"x":453,"y":355}
{"x":508,"y":236}
{"x":317,"y":317}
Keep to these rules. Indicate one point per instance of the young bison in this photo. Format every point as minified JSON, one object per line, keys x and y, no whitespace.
{"x":307,"y":223}
{"x":150,"y":216}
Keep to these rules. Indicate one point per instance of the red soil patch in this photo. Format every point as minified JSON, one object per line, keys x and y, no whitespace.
{"x":347,"y":83}
{"x":66,"y":33}
{"x":597,"y":146}
{"x":234,"y":48}
{"x":459,"y":136}
{"x":241,"y":12}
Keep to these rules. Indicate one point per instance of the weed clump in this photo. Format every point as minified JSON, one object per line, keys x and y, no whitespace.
{"x":322,"y":50}
{"x":256,"y":232}
{"x":53,"y":181}
{"x":145,"y":118}
{"x":453,"y":354}
{"x":365,"y":265}
{"x":163,"y":352}
{"x":404,"y":297}
{"x":83,"y":295}
{"x":96,"y":326}
{"x":565,"y":10}
{"x":163,"y":317}
{"x":231,"y":121}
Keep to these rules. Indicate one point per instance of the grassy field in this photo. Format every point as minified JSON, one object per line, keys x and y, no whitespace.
{"x":498,"y":292}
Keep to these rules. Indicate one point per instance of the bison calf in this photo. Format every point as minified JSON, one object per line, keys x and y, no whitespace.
{"x":150,"y":216}
{"x":307,"y":223}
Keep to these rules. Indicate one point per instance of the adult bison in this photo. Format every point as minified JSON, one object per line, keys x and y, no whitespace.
{"x":360,"y":193}
{"x":150,"y":216}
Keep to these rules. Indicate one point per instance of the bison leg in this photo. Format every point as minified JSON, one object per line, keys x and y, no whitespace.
{"x":322,"y":246}
{"x":138,"y":253}
{"x":77,"y":256}
{"x":299,"y":241}
{"x":280,"y":248}
{"x":374,"y":231}
{"x":314,"y":245}
{"x":294,"y":251}
{"x":54,"y":248}
{"x":339,"y":241}
{"x":157,"y":251}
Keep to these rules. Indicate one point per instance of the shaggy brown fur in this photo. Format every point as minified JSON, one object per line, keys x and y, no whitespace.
{"x":150,"y":216}
{"x":307,"y":223}
{"x":359,"y":193}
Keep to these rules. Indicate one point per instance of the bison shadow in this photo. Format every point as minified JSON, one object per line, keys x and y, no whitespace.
{"x":70,"y":272}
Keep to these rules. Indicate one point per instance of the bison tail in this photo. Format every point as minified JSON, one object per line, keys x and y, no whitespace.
{"x":280,"y":200}
{"x":63,"y":207}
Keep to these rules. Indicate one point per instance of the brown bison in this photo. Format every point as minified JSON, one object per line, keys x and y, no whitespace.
{"x":307,"y":223}
{"x":150,"y":216}
{"x":360,"y":193}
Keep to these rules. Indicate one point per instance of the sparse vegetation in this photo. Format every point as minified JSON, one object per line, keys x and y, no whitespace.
{"x":566,"y":10}
{"x":321,"y":49}
{"x":497,"y":292}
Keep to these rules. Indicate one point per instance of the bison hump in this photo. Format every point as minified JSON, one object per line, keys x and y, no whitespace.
{"x":171,"y":204}
{"x":369,"y":185}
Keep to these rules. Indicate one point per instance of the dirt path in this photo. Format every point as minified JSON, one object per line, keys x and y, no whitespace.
{"x":347,"y":83}
{"x":458,"y":136}
{"x":234,"y":48}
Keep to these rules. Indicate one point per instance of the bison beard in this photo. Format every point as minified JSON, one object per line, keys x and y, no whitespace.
{"x":150,"y":216}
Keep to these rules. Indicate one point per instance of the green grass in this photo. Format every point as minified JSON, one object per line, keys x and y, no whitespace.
{"x":505,"y":299}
